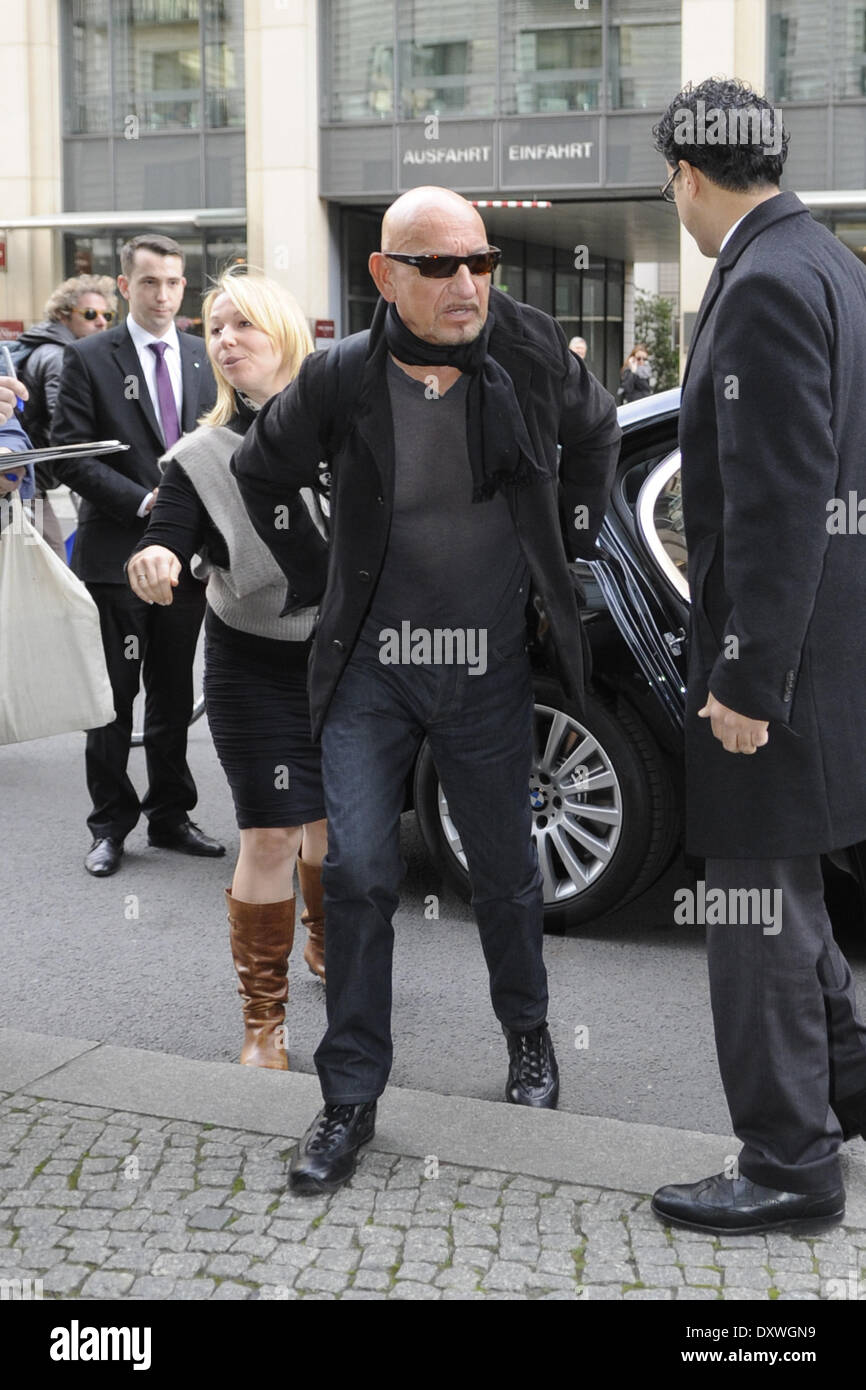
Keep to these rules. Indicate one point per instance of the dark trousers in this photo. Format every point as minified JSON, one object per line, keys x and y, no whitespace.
{"x":480,"y":731}
{"x":158,"y":642}
{"x":788,"y":1036}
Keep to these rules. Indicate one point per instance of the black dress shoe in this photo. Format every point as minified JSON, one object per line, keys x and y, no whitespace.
{"x":326,"y":1156}
{"x":533,"y":1076}
{"x":851,"y":1114}
{"x":103,"y":857}
{"x":186,"y":838}
{"x":738,"y":1206}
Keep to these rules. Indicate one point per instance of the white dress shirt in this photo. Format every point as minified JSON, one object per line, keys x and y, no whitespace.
{"x":728,"y":234}
{"x":140,"y":338}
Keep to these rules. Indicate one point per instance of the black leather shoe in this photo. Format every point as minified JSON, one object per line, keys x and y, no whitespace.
{"x":533,"y":1076}
{"x":186,"y":839}
{"x":738,"y":1206}
{"x":326,"y":1156}
{"x":851,"y":1114}
{"x":103,"y":857}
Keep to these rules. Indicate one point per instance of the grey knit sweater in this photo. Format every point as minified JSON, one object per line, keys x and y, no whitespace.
{"x":251,"y":592}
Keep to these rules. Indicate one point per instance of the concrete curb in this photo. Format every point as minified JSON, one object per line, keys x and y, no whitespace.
{"x":551,"y":1145}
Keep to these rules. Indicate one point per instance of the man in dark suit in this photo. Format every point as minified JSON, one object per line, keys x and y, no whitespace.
{"x":145,"y":384}
{"x":773,"y":436}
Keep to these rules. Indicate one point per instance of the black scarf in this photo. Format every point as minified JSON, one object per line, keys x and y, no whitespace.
{"x":245,"y":414}
{"x":501,"y":452}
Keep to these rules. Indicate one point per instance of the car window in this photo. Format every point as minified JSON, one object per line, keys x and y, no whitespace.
{"x":659,"y":516}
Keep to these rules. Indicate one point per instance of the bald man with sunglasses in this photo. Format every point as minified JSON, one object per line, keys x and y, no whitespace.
{"x":435,"y":436}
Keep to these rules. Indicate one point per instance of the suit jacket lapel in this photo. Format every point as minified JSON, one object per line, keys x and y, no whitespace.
{"x":130,"y":366}
{"x":191,"y":354}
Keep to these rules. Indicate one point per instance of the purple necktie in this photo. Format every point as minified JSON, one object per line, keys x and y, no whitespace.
{"x":165,"y":395}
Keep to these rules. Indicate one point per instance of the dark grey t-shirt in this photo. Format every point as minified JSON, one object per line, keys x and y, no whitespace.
{"x":449,"y":562}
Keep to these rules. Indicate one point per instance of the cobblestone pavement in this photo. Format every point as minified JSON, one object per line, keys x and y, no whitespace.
{"x":98,"y":1204}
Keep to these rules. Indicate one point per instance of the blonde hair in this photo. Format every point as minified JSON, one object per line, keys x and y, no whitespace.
{"x":65,"y":298}
{"x":269,"y":308}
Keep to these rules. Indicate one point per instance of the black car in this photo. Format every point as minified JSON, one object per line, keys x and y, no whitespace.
{"x":606,"y":789}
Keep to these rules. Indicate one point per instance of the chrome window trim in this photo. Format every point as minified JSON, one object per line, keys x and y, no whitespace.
{"x":645,"y":514}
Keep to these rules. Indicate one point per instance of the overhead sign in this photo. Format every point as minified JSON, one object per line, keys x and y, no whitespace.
{"x":455,"y":154}
{"x":554,"y":153}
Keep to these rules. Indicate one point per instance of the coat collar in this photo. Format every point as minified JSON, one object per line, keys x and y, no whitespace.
{"x":757,"y":221}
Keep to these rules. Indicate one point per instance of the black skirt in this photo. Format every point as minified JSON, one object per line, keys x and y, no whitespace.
{"x":256,"y":698}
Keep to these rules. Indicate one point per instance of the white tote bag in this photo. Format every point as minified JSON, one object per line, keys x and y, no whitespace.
{"x":53,"y":677}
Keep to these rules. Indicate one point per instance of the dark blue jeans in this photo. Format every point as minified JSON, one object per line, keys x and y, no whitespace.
{"x":480,"y":732}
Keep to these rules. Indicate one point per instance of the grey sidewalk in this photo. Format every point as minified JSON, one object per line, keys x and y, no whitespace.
{"x":129,"y":1174}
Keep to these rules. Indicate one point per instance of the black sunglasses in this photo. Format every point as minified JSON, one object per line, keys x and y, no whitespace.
{"x":91,"y":314}
{"x":443,"y":267}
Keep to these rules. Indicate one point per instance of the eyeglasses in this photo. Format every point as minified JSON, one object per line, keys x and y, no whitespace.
{"x":667,"y":192}
{"x":640,"y":357}
{"x":91,"y":314}
{"x":436,"y":267}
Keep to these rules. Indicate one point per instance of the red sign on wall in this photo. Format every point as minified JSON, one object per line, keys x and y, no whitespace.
{"x":2,"y":253}
{"x":324,"y":328}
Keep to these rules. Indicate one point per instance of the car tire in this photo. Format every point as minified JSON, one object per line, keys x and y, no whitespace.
{"x":624,"y":782}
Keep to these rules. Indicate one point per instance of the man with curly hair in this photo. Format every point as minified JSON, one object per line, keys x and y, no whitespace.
{"x":78,"y":307}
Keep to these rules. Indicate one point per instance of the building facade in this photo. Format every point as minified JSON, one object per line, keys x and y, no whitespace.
{"x":277,"y":131}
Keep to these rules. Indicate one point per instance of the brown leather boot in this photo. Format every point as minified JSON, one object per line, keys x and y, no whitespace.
{"x":261,"y":939}
{"x":313,"y":916}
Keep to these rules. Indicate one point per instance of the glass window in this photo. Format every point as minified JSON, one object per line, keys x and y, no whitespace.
{"x":224,"y":62}
{"x":539,"y":277}
{"x":849,"y":48}
{"x":508,"y":276}
{"x":644,"y":54}
{"x":138,"y":68}
{"x":360,"y":236}
{"x":551,"y":56}
{"x":157,"y":64}
{"x":448,"y":55}
{"x":567,"y":297}
{"x":359,"y":60}
{"x":88,"y":102}
{"x":797,"y":51}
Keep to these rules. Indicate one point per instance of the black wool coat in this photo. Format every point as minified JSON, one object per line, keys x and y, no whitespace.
{"x":103,"y":395}
{"x":773,"y":439}
{"x":287,"y":449}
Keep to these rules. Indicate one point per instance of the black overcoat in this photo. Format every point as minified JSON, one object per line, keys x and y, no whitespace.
{"x":561,"y":402}
{"x":773,"y":438}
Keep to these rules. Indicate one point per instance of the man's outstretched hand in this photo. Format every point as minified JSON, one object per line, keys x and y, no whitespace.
{"x":736,"y":732}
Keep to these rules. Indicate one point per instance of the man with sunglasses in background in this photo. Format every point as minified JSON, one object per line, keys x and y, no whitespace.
{"x":77,"y":308}
{"x":145,"y":384}
{"x":438,"y":429}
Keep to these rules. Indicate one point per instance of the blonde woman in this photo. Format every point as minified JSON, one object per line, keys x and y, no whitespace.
{"x":255,"y":658}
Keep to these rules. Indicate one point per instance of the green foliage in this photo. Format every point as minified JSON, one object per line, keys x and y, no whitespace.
{"x":654,"y":326}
